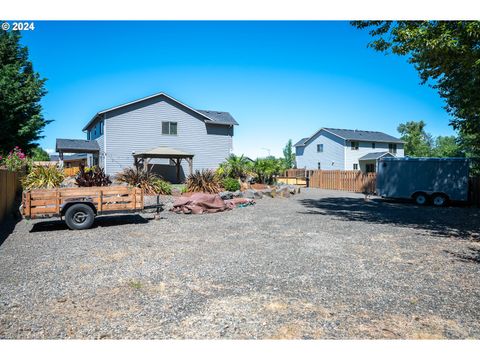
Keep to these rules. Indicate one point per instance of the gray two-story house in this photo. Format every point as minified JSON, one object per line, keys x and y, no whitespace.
{"x":155,"y":124}
{"x":342,"y":149}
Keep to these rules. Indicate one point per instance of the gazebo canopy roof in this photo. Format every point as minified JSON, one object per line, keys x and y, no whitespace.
{"x":163,"y":153}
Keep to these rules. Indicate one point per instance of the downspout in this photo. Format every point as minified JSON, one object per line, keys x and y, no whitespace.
{"x":105,"y":143}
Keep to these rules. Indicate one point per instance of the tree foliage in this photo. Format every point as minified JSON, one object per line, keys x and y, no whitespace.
{"x":38,"y":154}
{"x":237,"y":167}
{"x":266,"y":168}
{"x":289,"y":155}
{"x":21,"y":90}
{"x":446,"y":55}
{"x":447,"y":146}
{"x":417,"y":141}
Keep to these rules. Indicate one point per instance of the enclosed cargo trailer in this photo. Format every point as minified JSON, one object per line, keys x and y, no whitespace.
{"x":425,"y":180}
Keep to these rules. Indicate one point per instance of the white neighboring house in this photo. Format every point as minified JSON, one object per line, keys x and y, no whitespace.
{"x":343,"y":149}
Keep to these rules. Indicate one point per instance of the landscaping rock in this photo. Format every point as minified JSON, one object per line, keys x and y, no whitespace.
{"x":226,"y":195}
{"x":249,"y":194}
{"x":238,"y":193}
{"x":283,"y":192}
{"x":176,"y":192}
{"x":269,"y":192}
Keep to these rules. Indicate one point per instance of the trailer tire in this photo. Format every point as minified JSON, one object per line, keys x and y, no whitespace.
{"x":79,"y":217}
{"x":439,"y":199}
{"x":420,"y":198}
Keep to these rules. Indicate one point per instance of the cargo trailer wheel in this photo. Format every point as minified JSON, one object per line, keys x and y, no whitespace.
{"x":439,"y":199}
{"x":420,"y":198}
{"x":79,"y":217}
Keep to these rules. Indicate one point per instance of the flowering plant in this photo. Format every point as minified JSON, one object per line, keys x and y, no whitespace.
{"x":15,"y":160}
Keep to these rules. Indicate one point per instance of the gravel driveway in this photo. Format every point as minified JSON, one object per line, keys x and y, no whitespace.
{"x":322,"y":264}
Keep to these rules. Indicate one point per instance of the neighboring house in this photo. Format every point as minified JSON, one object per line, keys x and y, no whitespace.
{"x":70,"y":161}
{"x":342,"y":149}
{"x":156,"y":122}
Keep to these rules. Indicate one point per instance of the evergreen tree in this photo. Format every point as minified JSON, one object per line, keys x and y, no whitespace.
{"x":21,"y":89}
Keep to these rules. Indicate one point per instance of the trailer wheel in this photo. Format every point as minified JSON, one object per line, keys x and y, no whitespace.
{"x":420,"y":198}
{"x":79,"y":217}
{"x":439,"y":199}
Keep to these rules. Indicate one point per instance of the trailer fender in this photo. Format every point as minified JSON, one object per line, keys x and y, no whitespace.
{"x":69,"y":202}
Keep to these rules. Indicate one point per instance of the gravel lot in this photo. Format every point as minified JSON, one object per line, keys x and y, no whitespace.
{"x":322,"y":264}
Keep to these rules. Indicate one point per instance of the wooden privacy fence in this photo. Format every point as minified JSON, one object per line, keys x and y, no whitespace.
{"x":290,"y":173}
{"x":346,"y":180}
{"x":72,"y":171}
{"x":9,"y":185}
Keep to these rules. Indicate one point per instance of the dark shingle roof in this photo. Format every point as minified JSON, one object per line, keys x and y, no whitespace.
{"x":220,"y":117}
{"x":374,"y":155}
{"x":301,"y":142}
{"x":363,"y":135}
{"x":74,"y":145}
{"x":55,"y":157}
{"x":215,"y":117}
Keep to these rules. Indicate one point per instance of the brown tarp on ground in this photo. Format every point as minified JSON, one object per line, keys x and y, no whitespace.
{"x":199,"y":203}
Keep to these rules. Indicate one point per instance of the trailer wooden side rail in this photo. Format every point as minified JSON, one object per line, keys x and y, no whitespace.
{"x":81,"y":205}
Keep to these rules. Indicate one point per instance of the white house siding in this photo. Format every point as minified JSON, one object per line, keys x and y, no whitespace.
{"x":352,"y":156}
{"x":138,"y":128}
{"x":332,"y":157}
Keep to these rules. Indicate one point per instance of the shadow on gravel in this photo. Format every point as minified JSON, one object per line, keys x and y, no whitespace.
{"x":473,"y":256}
{"x":461,"y":222}
{"x":101,"y":221}
{"x":7,"y":226}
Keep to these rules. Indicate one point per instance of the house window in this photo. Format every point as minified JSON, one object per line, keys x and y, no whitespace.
{"x":101,"y":127}
{"x":169,"y":128}
{"x":355,"y":166}
{"x":319,"y":166}
{"x":370,"y":168}
{"x":392,"y":148}
{"x":373,"y":145}
{"x":354,"y":145}
{"x":319,"y":147}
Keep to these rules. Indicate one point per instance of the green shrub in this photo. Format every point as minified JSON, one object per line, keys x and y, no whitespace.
{"x":161,"y":187}
{"x":43,"y":177}
{"x":203,"y":181}
{"x":231,"y":184}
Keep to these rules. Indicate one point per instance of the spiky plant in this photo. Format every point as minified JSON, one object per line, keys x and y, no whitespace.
{"x":203,"y":181}
{"x":150,"y":183}
{"x":43,"y":177}
{"x":94,"y":177}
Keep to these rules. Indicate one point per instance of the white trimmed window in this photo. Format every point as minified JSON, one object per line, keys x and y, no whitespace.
{"x":319,"y":147}
{"x":355,"y":166}
{"x":169,"y":128}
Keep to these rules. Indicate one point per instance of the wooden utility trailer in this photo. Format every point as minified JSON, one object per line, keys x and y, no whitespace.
{"x":79,"y":206}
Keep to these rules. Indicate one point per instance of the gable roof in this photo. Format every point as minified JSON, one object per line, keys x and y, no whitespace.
{"x":219,"y":117}
{"x":76,"y":146}
{"x":215,"y":117}
{"x":363,"y":135}
{"x":301,"y":142}
{"x":79,"y":156}
{"x":375,"y":155}
{"x":355,"y":135}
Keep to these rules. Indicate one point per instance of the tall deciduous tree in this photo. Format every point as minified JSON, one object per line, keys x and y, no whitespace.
{"x":447,"y":146}
{"x":417,"y":141}
{"x":21,"y":89}
{"x":447,"y":56}
{"x":289,"y":155}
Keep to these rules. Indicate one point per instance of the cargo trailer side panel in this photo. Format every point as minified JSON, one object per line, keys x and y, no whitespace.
{"x":402,"y":177}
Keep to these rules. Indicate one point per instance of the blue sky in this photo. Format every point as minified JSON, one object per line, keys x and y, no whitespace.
{"x":280,"y":80}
